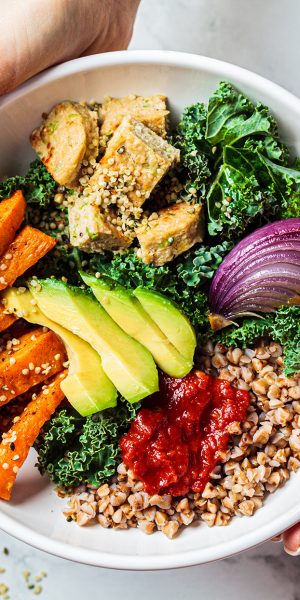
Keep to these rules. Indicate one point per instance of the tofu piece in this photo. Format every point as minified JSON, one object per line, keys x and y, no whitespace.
{"x":90,"y":230}
{"x":136,"y":156}
{"x":67,"y":136}
{"x":176,"y":229}
{"x":150,"y":110}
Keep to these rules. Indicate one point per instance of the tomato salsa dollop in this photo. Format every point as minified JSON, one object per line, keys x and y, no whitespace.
{"x":178,"y":438}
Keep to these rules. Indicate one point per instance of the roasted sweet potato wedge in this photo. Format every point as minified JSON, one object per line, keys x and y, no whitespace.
{"x":17,"y":442}
{"x":31,"y":359}
{"x":12,"y":212}
{"x":27,"y":248}
{"x":6,"y":320}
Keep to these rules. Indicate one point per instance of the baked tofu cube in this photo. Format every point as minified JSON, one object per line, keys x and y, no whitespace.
{"x":176,"y":229}
{"x":136,"y":157}
{"x":90,"y":229}
{"x":150,"y":110}
{"x":67,"y":136}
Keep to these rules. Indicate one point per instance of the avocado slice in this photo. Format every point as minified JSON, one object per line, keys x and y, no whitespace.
{"x":170,"y":320}
{"x":86,"y":386}
{"x":128,"y":365}
{"x":130,"y":315}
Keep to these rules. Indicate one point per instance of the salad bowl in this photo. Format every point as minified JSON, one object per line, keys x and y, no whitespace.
{"x":35,"y":513}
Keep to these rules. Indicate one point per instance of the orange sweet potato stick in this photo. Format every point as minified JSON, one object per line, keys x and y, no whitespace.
{"x":12,"y":212}
{"x":34,"y":358}
{"x":27,"y":248}
{"x":17,"y":442}
{"x":6,"y":320}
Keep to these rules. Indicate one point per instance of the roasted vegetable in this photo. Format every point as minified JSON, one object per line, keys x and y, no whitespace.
{"x":27,"y":248}
{"x":5,"y":319}
{"x":17,"y":442}
{"x":38,"y":355}
{"x":12,"y":213}
{"x":261,"y":273}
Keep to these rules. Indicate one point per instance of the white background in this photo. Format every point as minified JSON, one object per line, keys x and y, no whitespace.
{"x":262,"y":35}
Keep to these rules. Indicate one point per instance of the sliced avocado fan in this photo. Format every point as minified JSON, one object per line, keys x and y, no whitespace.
{"x":167,"y":316}
{"x":128,"y":312}
{"x":127,"y":363}
{"x":87,"y":387}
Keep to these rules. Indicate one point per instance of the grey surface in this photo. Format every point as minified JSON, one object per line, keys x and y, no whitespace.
{"x":264,"y":573}
{"x":262,"y":35}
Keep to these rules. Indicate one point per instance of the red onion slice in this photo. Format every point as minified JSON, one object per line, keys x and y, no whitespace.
{"x":261,"y":273}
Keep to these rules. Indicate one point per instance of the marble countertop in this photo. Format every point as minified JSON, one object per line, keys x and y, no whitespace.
{"x":262,"y":35}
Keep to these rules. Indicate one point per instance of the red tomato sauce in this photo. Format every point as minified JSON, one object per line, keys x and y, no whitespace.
{"x":177,"y":439}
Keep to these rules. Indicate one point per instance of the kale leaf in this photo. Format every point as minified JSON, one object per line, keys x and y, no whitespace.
{"x":282,"y":327}
{"x":74,"y":449}
{"x":38,"y":185}
{"x":232,"y":117}
{"x":286,"y":331}
{"x":254,"y":182}
{"x":249,"y":331}
{"x":235,"y":198}
{"x":195,"y":153}
{"x":199,"y":264}
{"x":287,"y":183}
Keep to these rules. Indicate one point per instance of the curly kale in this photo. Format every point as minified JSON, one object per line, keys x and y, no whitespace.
{"x":282,"y":327}
{"x":38,"y":185}
{"x":74,"y":449}
{"x":249,"y":331}
{"x":286,"y":331}
{"x":235,"y":198}
{"x":199,"y":264}
{"x":195,"y":153}
{"x":232,"y":117}
{"x":233,"y":161}
{"x":254,"y":182}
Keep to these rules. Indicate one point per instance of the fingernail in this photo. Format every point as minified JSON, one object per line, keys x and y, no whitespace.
{"x":292,"y":552}
{"x":277,"y":538}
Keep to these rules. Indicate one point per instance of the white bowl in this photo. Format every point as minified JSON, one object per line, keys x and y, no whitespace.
{"x":35,"y":513}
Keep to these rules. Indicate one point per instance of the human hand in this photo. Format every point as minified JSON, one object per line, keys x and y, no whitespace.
{"x":35,"y":35}
{"x":291,"y":540}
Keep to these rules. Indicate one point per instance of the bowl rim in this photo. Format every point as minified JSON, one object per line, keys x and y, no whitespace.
{"x":252,"y":537}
